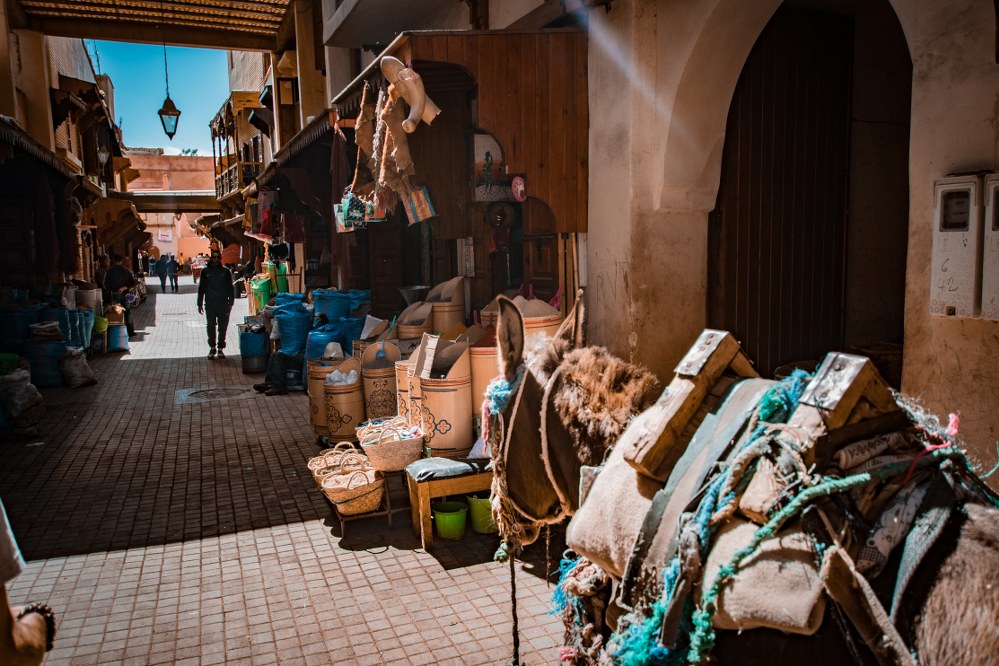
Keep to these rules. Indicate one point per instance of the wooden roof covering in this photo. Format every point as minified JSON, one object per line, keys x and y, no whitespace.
{"x":229,"y":24}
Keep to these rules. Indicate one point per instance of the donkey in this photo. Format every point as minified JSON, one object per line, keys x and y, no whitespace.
{"x":570,"y":403}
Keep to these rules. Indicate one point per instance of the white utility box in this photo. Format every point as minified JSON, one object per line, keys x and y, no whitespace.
{"x":990,"y":250}
{"x":955,"y":278}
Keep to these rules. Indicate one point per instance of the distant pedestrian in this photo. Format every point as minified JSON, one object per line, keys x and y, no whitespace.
{"x":161,"y":272}
{"x":173,"y":268}
{"x":215,"y":298}
{"x":27,"y":634}
{"x":118,"y":281}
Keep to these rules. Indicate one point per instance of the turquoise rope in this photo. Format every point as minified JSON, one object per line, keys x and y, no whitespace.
{"x":638,"y":644}
{"x":500,"y":391}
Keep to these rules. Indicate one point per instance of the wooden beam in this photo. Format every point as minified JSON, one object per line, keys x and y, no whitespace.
{"x":168,"y":15}
{"x":169,"y":203}
{"x":285,"y":38}
{"x":209,"y":38}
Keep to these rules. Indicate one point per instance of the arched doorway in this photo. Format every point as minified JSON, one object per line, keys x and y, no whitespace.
{"x":808,"y":237}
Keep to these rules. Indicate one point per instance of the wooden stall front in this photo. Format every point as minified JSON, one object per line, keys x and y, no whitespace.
{"x":528,"y":92}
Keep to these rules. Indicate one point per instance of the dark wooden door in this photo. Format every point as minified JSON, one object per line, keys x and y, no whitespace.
{"x":777,"y":235}
{"x":385,"y":257}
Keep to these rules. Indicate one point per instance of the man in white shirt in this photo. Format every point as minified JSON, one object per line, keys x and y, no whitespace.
{"x":24,"y":635}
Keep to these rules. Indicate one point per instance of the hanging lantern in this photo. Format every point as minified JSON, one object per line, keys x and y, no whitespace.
{"x":169,"y":115}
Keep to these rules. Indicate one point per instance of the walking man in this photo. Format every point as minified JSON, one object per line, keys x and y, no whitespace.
{"x":173,"y":268}
{"x":215,"y":295}
{"x":161,"y":271}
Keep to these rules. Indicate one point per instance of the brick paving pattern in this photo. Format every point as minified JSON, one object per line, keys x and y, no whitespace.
{"x":171,"y":530}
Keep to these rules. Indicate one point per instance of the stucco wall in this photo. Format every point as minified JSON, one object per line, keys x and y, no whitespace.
{"x":172,"y":172}
{"x":950,"y":363}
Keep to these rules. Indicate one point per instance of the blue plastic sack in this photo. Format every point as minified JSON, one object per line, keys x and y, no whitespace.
{"x":358,"y":297}
{"x":284,"y":297}
{"x":60,"y":315}
{"x":294,"y":322}
{"x":86,"y":327}
{"x":44,"y":358}
{"x":74,"y":338}
{"x":252,"y":344}
{"x":332,"y":303}
{"x":319,"y":338}
{"x":350,"y":330}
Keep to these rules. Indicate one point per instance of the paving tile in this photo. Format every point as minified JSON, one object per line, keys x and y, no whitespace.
{"x":189,"y":532}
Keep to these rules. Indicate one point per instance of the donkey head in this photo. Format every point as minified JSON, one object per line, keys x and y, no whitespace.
{"x":571,"y":404}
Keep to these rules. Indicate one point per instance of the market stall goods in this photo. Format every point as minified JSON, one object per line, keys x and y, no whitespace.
{"x":344,"y":399}
{"x":378,"y":373}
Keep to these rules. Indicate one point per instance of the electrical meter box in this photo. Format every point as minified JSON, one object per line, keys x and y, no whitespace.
{"x":990,"y":250}
{"x":955,"y":284}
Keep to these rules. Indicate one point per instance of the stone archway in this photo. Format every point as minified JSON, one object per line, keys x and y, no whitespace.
{"x":807,"y":252}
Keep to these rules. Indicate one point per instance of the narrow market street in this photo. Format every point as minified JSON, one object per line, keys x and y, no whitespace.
{"x":168,"y":516}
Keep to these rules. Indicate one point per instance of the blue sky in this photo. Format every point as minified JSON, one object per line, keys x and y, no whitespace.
{"x":199,"y":84}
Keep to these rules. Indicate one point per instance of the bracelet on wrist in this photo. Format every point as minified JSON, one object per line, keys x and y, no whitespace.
{"x":50,"y":624}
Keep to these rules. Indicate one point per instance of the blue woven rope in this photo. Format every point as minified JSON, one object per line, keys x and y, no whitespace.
{"x":500,"y":391}
{"x":637,"y":644}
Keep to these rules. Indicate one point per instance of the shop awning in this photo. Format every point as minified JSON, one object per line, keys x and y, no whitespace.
{"x":12,"y":135}
{"x":315,"y":130}
{"x":534,"y":81}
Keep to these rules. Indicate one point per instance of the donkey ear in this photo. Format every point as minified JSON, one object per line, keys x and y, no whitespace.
{"x":572,"y":333}
{"x":511,"y":338}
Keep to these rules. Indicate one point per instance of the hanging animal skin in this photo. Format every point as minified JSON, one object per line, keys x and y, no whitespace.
{"x":409,"y":86}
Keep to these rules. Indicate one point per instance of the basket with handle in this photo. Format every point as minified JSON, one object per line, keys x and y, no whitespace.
{"x":328,"y":460}
{"x":391,"y":449}
{"x":380,"y":425}
{"x":360,"y":491}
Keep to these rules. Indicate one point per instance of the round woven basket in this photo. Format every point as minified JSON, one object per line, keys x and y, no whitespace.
{"x":328,"y":461}
{"x":360,"y":491}
{"x":390,"y":450}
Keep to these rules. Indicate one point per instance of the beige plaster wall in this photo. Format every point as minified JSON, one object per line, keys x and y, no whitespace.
{"x":502,"y":14}
{"x":661,"y":79}
{"x":950,"y":363}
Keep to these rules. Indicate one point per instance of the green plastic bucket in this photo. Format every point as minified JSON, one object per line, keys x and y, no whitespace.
{"x":482,"y":515}
{"x":450,"y":519}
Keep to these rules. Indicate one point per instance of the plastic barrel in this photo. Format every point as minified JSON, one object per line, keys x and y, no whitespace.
{"x":253,"y":364}
{"x":117,"y":337}
{"x":450,"y":519}
{"x":252,"y":344}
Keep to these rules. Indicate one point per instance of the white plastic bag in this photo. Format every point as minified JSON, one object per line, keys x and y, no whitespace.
{"x":75,"y":369}
{"x":18,"y":394}
{"x":337,"y":378}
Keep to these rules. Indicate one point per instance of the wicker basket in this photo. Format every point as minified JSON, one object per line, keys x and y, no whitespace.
{"x":328,"y":461}
{"x":360,"y":491}
{"x":391,"y":450}
{"x":379,"y":425}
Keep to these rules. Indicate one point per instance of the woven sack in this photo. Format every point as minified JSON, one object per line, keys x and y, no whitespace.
{"x":392,"y":450}
{"x":360,"y":491}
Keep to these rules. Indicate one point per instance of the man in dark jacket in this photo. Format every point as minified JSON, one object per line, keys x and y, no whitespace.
{"x":173,"y":268}
{"x":161,"y":271}
{"x":215,"y":295}
{"x":118,"y":281}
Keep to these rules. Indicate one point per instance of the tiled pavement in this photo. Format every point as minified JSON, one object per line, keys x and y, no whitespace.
{"x":167,"y":531}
